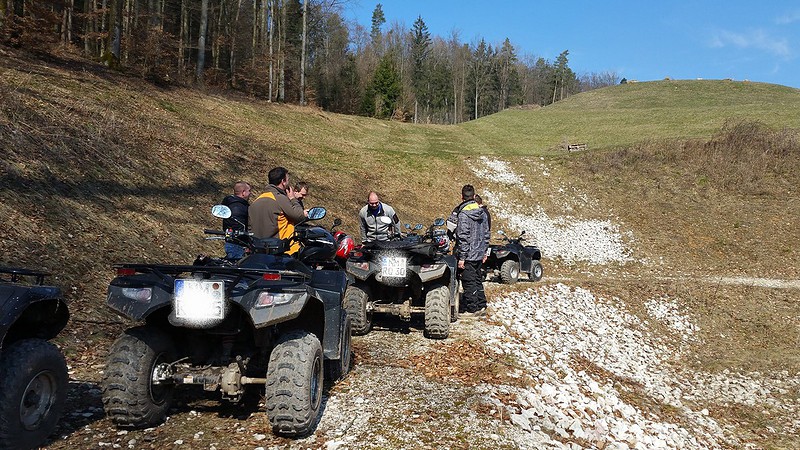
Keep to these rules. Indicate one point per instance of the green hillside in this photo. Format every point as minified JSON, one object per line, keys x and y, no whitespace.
{"x":624,"y":114}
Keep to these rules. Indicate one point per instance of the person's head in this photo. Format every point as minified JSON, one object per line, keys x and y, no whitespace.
{"x":373,"y":201}
{"x":241,"y":189}
{"x":478,"y":199}
{"x":300,"y":190}
{"x":467,"y":192}
{"x":279,"y":177}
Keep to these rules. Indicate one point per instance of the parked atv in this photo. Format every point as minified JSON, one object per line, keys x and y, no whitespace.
{"x":508,"y":259}
{"x":401,"y":276}
{"x":271,"y":320}
{"x":33,"y":373}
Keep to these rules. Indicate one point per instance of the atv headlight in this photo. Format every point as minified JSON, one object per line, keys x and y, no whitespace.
{"x":267,"y":298}
{"x":139,"y":294}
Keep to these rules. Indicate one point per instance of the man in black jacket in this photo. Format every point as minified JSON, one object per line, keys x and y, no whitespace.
{"x":238,"y":220}
{"x":472,"y":239}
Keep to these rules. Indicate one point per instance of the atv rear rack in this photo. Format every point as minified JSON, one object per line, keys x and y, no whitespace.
{"x":17,"y":272}
{"x":166,"y":269}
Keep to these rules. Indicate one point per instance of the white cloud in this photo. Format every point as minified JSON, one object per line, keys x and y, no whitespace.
{"x":755,"y":39}
{"x":789,"y":17}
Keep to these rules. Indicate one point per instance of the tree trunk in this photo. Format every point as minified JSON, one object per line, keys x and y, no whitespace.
{"x":256,"y":22}
{"x":201,"y":41}
{"x":184,"y":37}
{"x":233,"y":43}
{"x":116,"y":29}
{"x":271,"y":24}
{"x":282,"y":54}
{"x":476,"y":99}
{"x":216,"y":43}
{"x":303,"y":55}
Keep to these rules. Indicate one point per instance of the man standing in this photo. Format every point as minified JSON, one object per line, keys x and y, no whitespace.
{"x":300,"y":193}
{"x":377,"y":220}
{"x":275,"y":212}
{"x":472,"y":239}
{"x":238,"y":203}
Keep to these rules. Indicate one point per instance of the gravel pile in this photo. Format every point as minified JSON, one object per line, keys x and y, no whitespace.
{"x":571,"y":341}
{"x":570,"y":238}
{"x":588,"y":355}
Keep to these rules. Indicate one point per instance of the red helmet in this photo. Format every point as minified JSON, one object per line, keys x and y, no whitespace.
{"x":346,"y":244}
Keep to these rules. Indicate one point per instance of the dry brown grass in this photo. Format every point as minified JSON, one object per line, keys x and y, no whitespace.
{"x":726,"y":205}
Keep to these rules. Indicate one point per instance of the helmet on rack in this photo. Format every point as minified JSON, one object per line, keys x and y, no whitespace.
{"x":345,"y":244}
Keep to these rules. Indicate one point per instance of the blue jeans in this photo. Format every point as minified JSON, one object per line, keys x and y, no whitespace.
{"x":233,"y":251}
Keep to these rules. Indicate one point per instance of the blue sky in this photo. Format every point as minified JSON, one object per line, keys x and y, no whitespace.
{"x":643,"y":40}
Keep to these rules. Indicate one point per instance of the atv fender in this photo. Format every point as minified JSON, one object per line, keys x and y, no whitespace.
{"x":137,"y":311}
{"x":31,"y":311}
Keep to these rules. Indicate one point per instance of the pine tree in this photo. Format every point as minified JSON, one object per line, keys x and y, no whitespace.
{"x":378,"y":20}
{"x":380,"y":99}
{"x":420,"y":74}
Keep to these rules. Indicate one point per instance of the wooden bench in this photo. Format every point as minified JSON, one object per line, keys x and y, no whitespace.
{"x":576,"y":147}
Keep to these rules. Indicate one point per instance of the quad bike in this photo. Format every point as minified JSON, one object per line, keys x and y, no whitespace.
{"x":33,"y":373}
{"x":508,"y":259}
{"x":404,"y":275}
{"x":271,"y":320}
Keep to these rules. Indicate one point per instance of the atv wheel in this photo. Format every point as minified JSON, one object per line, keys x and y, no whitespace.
{"x":130,"y":398}
{"x":337,"y":369}
{"x":294,"y":384}
{"x":33,"y":389}
{"x":437,"y":313}
{"x":355,"y":302}
{"x":536,"y":271}
{"x":509,"y":271}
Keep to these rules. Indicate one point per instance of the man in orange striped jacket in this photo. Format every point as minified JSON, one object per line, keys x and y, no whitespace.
{"x":275,"y":212}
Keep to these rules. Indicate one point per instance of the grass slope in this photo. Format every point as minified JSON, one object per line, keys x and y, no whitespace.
{"x":622,"y":115}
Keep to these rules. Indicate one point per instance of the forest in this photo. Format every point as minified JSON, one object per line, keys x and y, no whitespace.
{"x":299,"y":51}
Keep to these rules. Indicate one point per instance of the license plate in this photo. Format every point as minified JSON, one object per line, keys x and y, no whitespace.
{"x":199,"y":299}
{"x":394,"y":267}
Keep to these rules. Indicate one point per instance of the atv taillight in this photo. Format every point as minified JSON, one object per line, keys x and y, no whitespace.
{"x":125,"y":272}
{"x":272,"y":276}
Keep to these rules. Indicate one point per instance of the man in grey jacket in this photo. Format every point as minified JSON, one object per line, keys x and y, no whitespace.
{"x":472,"y":239}
{"x":377,"y":220}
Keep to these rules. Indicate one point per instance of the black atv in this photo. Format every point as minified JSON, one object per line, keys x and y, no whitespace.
{"x":33,"y":373}
{"x":508,"y":259}
{"x":271,"y":320}
{"x":404,"y":275}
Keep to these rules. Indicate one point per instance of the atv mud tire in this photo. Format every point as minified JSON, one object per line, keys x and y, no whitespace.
{"x":294,"y":384}
{"x":337,"y":369}
{"x":33,"y":389}
{"x":130,"y":398}
{"x":509,"y":271}
{"x":437,"y":313}
{"x":536,"y":271}
{"x":355,"y":303}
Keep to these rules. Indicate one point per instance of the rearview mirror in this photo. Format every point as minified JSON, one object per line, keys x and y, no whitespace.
{"x":500,"y":232}
{"x":221,"y":211}
{"x":337,"y":221}
{"x":438,"y":222}
{"x":418,"y":226}
{"x":316,"y":213}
